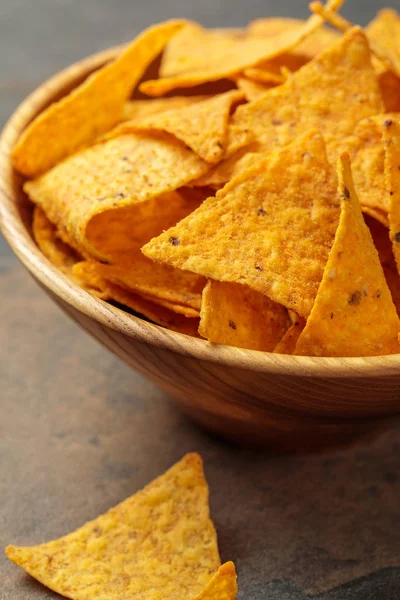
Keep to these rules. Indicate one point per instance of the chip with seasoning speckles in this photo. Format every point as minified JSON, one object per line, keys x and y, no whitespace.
{"x":159,"y":543}
{"x":353,"y":313}
{"x":92,"y":108}
{"x":281,"y":213}
{"x":202,"y":126}
{"x":139,"y":109}
{"x":288,"y":342}
{"x":391,"y":138}
{"x":332,"y":93}
{"x":226,"y":55}
{"x":114,"y":174}
{"x":192,"y":180}
{"x":236,"y":315}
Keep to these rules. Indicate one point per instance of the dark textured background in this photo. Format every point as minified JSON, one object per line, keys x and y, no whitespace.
{"x":79,"y":431}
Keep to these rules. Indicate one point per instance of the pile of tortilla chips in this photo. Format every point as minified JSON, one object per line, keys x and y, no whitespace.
{"x":158,"y":544}
{"x":256,"y":205}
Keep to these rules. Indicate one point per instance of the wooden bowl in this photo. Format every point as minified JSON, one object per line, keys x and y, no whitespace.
{"x":247,"y":396}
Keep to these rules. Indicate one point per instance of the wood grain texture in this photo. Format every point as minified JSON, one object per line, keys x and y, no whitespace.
{"x":241,"y":394}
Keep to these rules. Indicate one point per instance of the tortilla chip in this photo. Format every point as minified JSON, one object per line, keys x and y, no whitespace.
{"x":222,"y":586}
{"x":346,"y":319}
{"x":230,"y":167}
{"x":338,"y":89}
{"x":317,"y":42}
{"x":391,"y":138}
{"x":186,"y":311}
{"x":367,"y":158}
{"x":58,"y":252}
{"x":288,"y":343}
{"x":202,"y":126}
{"x":118,"y":173}
{"x":87,"y":273}
{"x":384,"y":33}
{"x":252,"y":89}
{"x":139,"y":109}
{"x":92,"y":108}
{"x":331,"y":93}
{"x":379,"y":215}
{"x":234,"y":314}
{"x":270,"y":228}
{"x":137,"y":273}
{"x":264,"y":76}
{"x":383,"y":244}
{"x":121,"y":233}
{"x":390,"y":90}
{"x":159,"y":543}
{"x":207,"y":56}
{"x":381,"y":238}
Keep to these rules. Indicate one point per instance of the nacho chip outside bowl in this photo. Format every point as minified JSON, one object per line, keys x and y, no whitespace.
{"x":249,"y":396}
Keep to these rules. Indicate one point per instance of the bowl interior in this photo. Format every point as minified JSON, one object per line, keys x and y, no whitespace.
{"x":15,"y":220}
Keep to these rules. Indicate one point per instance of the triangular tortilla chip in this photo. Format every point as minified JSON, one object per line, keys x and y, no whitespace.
{"x":58,"y":252}
{"x":86,"y":274}
{"x":92,"y":108}
{"x":252,"y":89}
{"x":121,"y":233}
{"x":391,"y":138}
{"x":375,"y":213}
{"x":318,"y":41}
{"x":390,"y":90}
{"x":222,"y":586}
{"x":331,"y":93}
{"x":202,"y":126}
{"x":346,"y":319}
{"x":367,"y":154}
{"x":236,"y":315}
{"x":138,"y":109}
{"x":212,"y":56}
{"x":114,"y":174}
{"x":270,"y":228}
{"x":288,"y":343}
{"x":160,"y":543}
{"x":348,"y":89}
{"x":384,"y":33}
{"x":135,"y":272}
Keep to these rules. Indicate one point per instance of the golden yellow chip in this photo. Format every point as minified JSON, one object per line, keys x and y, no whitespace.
{"x":121,"y":233}
{"x":366,"y":152}
{"x":288,"y":342}
{"x":230,"y":167}
{"x":208,"y":56}
{"x":317,"y":42}
{"x":222,"y":586}
{"x":87,"y":275}
{"x":379,"y":215}
{"x":391,"y":137}
{"x":159,"y":543}
{"x":135,"y":272}
{"x":202,"y":126}
{"x":138,"y":109}
{"x":384,"y":33}
{"x":390,"y":90}
{"x":383,"y":244}
{"x":347,"y":316}
{"x":270,"y":228}
{"x":58,"y":252}
{"x":92,"y":108}
{"x":331,"y":93}
{"x":252,"y":89}
{"x":263,"y":75}
{"x":118,"y":173}
{"x":236,"y":315}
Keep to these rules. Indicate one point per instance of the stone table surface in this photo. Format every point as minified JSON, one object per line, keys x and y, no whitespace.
{"x":80,"y":431}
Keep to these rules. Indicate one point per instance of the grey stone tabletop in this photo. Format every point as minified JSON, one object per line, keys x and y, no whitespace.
{"x":80,"y":431}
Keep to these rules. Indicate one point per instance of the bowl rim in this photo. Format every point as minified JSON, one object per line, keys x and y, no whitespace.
{"x":108,"y":316}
